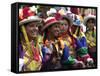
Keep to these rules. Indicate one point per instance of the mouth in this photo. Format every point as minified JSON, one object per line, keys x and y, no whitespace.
{"x":34,"y":33}
{"x":56,"y":32}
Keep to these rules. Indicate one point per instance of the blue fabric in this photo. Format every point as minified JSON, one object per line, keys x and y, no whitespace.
{"x":77,"y":22}
{"x":44,"y":50}
{"x":65,"y":53}
{"x":81,"y":42}
{"x":78,"y":43}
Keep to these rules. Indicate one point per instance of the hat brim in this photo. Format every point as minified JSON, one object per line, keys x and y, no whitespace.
{"x":47,"y":25}
{"x":30,"y":19}
{"x":87,"y":18}
{"x":69,"y":19}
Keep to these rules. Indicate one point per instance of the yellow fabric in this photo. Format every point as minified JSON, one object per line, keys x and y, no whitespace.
{"x":34,"y":65}
{"x":40,"y":41}
{"x":68,"y":41}
{"x":62,"y":44}
{"x":81,"y":18}
{"x":27,"y":40}
{"x":90,"y":39}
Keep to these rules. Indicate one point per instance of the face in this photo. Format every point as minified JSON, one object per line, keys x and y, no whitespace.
{"x":73,"y":29}
{"x":32,"y":29}
{"x":90,"y":24}
{"x":64,"y":25}
{"x":55,"y":29}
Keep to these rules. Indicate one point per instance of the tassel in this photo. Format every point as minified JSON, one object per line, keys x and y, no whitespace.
{"x":27,"y":41}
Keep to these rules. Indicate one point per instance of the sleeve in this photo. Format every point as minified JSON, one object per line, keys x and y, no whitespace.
{"x":65,"y":53}
{"x":83,"y":41}
{"x":43,"y":51}
{"x":78,"y":43}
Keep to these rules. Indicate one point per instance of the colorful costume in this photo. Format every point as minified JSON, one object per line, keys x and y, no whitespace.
{"x":66,"y":35}
{"x":29,"y":51}
{"x":60,"y":57}
{"x":81,"y":45}
{"x":69,"y":42}
{"x":91,"y":37}
{"x":32,"y":63}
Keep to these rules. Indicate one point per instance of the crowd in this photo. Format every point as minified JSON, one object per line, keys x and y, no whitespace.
{"x":60,"y":40}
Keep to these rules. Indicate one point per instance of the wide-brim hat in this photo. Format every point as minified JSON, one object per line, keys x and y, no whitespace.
{"x":49,"y":21}
{"x":30,"y":19}
{"x":28,"y":14}
{"x":87,"y":18}
{"x":68,"y":18}
{"x":51,"y":11}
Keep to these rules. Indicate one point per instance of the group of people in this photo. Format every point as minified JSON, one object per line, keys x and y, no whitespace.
{"x":57,"y":42}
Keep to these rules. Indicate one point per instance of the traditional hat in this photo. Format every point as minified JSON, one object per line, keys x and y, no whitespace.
{"x":77,"y":22}
{"x":67,"y":18}
{"x":68,"y":10}
{"x":51,"y":11}
{"x":62,"y":11}
{"x":49,"y":21}
{"x":88,"y":17}
{"x":28,"y":14}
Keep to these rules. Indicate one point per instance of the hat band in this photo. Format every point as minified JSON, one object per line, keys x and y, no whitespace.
{"x":50,"y":21}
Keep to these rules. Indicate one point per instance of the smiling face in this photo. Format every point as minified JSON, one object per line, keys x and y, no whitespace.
{"x":55,"y":29}
{"x":64,"y":25}
{"x":32,"y":29}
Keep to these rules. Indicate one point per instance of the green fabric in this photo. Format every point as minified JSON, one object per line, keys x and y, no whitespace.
{"x":82,"y":51}
{"x":70,"y":61}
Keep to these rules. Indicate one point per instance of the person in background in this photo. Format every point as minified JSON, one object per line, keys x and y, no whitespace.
{"x":81,"y":44}
{"x":90,"y":23}
{"x":65,"y":34}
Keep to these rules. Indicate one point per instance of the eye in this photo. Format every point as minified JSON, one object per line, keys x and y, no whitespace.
{"x":55,"y":26}
{"x":62,"y":23}
{"x":36,"y":25}
{"x":66,"y":24}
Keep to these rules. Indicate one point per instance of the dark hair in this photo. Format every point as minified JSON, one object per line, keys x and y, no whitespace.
{"x":65,"y":18}
{"x":93,"y":20}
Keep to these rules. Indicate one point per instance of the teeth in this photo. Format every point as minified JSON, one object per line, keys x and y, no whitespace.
{"x":34,"y":33}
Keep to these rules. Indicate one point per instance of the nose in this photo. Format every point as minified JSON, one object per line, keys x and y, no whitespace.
{"x":61,"y":27}
{"x":34,"y":29}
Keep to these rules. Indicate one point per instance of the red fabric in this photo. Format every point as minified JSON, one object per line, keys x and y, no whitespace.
{"x":74,"y":10}
{"x":36,"y":54}
{"x":84,"y":59}
{"x":58,"y":16}
{"x":27,"y":12}
{"x":50,"y":21}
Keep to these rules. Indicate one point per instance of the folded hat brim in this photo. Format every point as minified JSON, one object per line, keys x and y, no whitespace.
{"x":87,"y":18}
{"x":69,"y":19}
{"x":49,"y":24}
{"x":30,"y":19}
